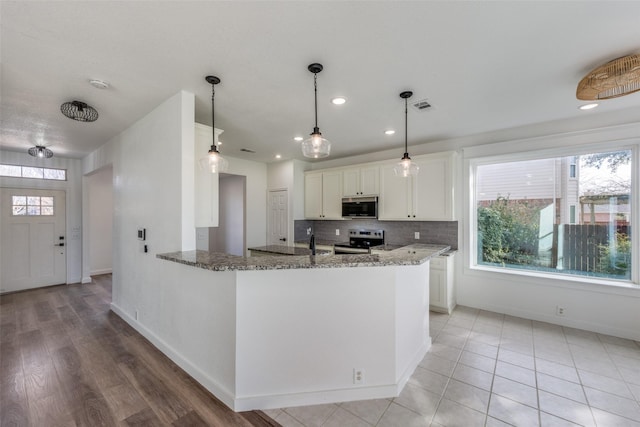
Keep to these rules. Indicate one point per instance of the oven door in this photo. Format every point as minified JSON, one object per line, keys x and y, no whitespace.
{"x":350,"y":250}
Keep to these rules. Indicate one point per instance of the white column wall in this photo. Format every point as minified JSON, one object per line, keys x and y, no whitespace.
{"x":100,"y":220}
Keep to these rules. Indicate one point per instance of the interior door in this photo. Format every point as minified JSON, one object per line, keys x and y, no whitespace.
{"x":278,"y":228}
{"x":33,"y":238}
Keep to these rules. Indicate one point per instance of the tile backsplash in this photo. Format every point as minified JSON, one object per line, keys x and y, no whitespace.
{"x":395,"y":232}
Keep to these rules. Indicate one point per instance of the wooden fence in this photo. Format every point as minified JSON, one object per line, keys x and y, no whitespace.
{"x":578,"y":245}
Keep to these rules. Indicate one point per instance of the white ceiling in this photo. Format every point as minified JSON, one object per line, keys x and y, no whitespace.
{"x":483,"y":66}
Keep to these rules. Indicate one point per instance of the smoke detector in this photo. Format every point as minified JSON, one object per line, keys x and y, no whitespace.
{"x":421,"y":105}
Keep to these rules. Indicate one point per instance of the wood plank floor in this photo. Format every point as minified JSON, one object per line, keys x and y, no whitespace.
{"x":67,"y":360}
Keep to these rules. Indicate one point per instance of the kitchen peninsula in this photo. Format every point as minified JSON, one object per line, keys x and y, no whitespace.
{"x":277,"y":331}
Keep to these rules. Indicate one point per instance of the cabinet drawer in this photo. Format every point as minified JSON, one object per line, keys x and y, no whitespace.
{"x":439,"y":263}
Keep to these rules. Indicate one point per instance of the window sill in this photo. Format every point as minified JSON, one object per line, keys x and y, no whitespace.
{"x":583,"y":283}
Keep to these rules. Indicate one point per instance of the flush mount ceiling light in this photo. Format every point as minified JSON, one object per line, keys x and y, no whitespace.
{"x":389,"y":132}
{"x":588,"y":106}
{"x":298,"y":138}
{"x":213,"y":162}
{"x":99,"y":84}
{"x":79,"y":111}
{"x":40,"y":152}
{"x":615,"y":78}
{"x":316,"y":146}
{"x":339,"y":100}
{"x":405,"y":167}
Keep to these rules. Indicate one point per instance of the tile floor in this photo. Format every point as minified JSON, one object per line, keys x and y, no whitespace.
{"x":488,"y":369}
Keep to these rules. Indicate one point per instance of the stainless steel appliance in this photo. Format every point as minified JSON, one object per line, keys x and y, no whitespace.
{"x":359,"y":207}
{"x":359,"y":242}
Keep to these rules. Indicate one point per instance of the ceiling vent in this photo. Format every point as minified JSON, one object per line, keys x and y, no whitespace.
{"x":421,"y":105}
{"x":246,"y":150}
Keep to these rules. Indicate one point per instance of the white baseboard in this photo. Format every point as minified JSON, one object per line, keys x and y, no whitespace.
{"x":86,"y":279}
{"x":276,"y":401}
{"x":207,"y":382}
{"x":101,"y":271}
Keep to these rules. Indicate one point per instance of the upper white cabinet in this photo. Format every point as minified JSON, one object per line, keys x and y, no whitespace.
{"x":364,"y":181}
{"x":428,"y":196}
{"x":323,"y":195}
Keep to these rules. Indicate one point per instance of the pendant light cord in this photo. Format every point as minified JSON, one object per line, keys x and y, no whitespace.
{"x":213,"y":122}
{"x":405,"y":127}
{"x":315,"y":95}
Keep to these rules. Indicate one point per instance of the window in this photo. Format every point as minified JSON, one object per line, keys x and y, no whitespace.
{"x":526,"y":219}
{"x":31,"y":205}
{"x":17,"y":171}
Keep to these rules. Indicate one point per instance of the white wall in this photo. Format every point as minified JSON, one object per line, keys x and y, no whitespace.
{"x":229,"y":236}
{"x":149,"y":186}
{"x":256,"y":206}
{"x":73,"y":188}
{"x":100,"y":218}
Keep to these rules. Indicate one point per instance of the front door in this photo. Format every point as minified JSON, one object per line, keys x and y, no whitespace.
{"x":277,"y":228}
{"x":33,"y":238}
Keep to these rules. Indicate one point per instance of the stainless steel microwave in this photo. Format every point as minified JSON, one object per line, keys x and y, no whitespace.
{"x":359,"y":207}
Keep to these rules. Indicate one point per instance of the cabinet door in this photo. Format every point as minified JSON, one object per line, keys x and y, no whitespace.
{"x":313,"y":196}
{"x":332,"y":195}
{"x":437,"y":288}
{"x":370,"y":181}
{"x":351,"y":183}
{"x":432,"y":190}
{"x":394,"y":195}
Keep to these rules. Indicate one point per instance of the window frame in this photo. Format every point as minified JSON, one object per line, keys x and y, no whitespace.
{"x":43,"y":178}
{"x":471,"y":165}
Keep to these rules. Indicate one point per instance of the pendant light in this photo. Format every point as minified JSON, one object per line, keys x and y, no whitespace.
{"x":40,"y":152}
{"x":405,"y":166}
{"x":316,"y":146}
{"x":214,"y":162}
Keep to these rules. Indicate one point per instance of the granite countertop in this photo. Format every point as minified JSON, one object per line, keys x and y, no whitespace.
{"x":288,"y":250}
{"x":216,"y":261}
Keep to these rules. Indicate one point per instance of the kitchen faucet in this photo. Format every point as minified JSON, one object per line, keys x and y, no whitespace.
{"x":312,"y":244}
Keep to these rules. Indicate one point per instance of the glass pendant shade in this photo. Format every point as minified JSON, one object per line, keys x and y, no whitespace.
{"x":214,"y":162}
{"x":405,"y":167}
{"x":316,"y":146}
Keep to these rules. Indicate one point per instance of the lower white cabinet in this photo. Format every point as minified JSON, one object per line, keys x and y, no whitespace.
{"x":441,"y":296}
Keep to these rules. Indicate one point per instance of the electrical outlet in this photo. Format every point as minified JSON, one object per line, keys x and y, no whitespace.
{"x":416,"y":235}
{"x":358,"y":376}
{"x":560,"y":310}
{"x":337,"y":231}
{"x":308,"y":231}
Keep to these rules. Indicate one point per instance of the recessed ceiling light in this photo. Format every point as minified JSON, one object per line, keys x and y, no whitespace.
{"x":588,"y":106}
{"x":339,"y":100}
{"x":389,"y":132}
{"x":298,"y":138}
{"x":278,"y":156}
{"x":99,"y":84}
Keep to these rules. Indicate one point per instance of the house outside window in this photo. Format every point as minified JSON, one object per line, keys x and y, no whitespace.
{"x":529,"y":217}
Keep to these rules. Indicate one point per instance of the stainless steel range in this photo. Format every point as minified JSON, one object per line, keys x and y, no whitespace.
{"x":360,"y":241}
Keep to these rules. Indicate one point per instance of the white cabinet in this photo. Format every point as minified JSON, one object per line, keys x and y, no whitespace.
{"x":323,"y":195}
{"x":428,"y":196}
{"x":441,"y":296}
{"x":363,"y":181}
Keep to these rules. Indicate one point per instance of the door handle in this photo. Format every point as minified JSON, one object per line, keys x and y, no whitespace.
{"x":284,"y":239}
{"x":59,"y":244}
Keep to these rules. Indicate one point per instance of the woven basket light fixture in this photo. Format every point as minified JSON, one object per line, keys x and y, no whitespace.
{"x":615,"y":78}
{"x":79,"y":111}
